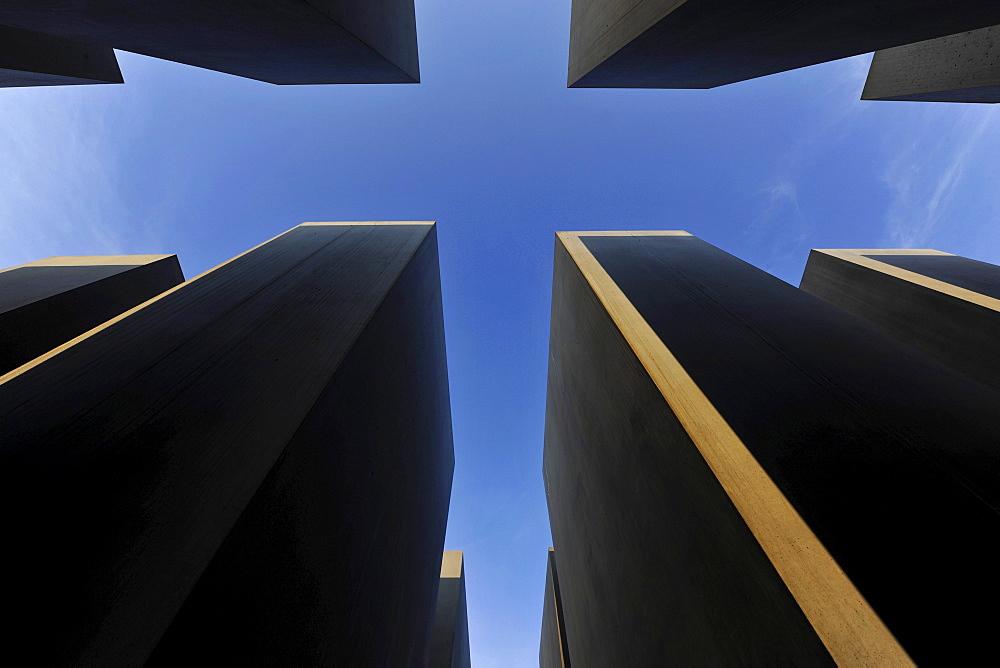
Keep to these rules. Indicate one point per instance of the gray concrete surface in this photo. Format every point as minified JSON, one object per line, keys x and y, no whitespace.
{"x":278,"y":41}
{"x":957,"y":68}
{"x":887,"y":455}
{"x":708,"y":43}
{"x":29,"y":58}
{"x":253,"y":469}
{"x":46,"y":303}
{"x":450,"y":640}
{"x":949,"y":327}
{"x":656,"y":567}
{"x":552,"y":649}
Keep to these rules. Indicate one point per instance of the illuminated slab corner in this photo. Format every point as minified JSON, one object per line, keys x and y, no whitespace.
{"x":277,"y":41}
{"x":44,"y":304}
{"x":553,"y":651}
{"x":252,"y":468}
{"x":738,"y":472}
{"x":450,"y":641}
{"x":946,"y":305}
{"x":709,"y":43}
{"x":957,"y":68}
{"x":30,"y":58}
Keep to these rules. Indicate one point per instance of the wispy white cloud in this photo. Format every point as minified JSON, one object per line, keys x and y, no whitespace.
{"x":939,"y":170}
{"x":780,"y":202}
{"x":781,"y":193}
{"x":59,"y":175}
{"x":781,"y":222}
{"x":926,"y":178}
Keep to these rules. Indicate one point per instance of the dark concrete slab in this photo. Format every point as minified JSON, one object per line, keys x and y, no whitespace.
{"x":46,"y":303}
{"x":278,"y":41}
{"x":450,"y":641}
{"x":946,"y":325}
{"x":957,"y":68}
{"x":260,"y":460}
{"x":980,"y":277}
{"x":29,"y":58}
{"x":553,"y":651}
{"x":888,"y":455}
{"x":708,"y":43}
{"x":655,"y":565}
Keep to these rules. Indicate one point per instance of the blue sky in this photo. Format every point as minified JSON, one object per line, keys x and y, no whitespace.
{"x":495,"y":148}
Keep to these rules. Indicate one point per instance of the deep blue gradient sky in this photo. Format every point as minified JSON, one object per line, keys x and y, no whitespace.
{"x":495,"y":148}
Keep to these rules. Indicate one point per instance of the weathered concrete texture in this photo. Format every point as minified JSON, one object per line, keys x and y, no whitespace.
{"x":552,"y":651}
{"x":957,"y":68}
{"x":254,"y":468}
{"x":46,"y":303}
{"x":278,"y":41}
{"x":29,"y":58}
{"x":450,"y":641}
{"x":888,"y":457}
{"x":928,"y":315}
{"x":708,"y":43}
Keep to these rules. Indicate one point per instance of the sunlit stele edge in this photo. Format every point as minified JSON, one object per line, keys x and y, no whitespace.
{"x":859,"y":256}
{"x":72,"y":342}
{"x":849,"y":628}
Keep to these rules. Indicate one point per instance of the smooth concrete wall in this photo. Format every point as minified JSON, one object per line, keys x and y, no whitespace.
{"x":450,"y":640}
{"x":945,"y":305}
{"x":772,"y":481}
{"x":29,"y":58}
{"x":389,"y":27}
{"x":656,"y":566}
{"x":254,"y":468}
{"x":278,"y":41}
{"x":46,"y":303}
{"x":552,"y":650}
{"x":708,"y":43}
{"x":957,"y":68}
